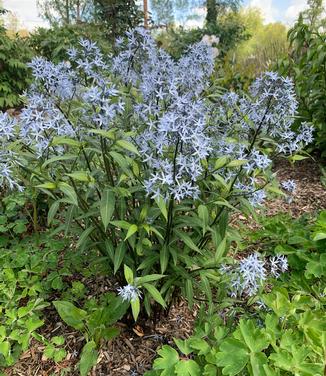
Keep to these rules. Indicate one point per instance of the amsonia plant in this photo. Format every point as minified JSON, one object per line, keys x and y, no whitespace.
{"x":140,"y":162}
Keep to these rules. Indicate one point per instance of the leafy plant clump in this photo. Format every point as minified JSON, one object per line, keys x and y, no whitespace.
{"x":142,"y":163}
{"x":306,"y":64}
{"x":15,"y":76}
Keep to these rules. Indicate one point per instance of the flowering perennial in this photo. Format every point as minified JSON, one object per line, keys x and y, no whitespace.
{"x":168,"y":117}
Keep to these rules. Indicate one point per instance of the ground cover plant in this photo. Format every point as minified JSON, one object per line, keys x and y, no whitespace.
{"x":138,"y":163}
{"x":276,"y":331}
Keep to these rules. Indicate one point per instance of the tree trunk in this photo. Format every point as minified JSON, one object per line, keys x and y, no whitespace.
{"x":67,"y":12}
{"x":145,"y":14}
{"x":211,"y":15}
{"x":78,"y":11}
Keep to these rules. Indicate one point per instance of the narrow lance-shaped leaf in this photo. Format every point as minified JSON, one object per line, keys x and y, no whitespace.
{"x":69,"y":192}
{"x":155,"y":294}
{"x":107,"y":206}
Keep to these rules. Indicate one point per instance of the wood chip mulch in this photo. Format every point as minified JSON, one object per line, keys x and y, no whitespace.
{"x":133,"y":352}
{"x":310,"y":194}
{"x":130,"y":354}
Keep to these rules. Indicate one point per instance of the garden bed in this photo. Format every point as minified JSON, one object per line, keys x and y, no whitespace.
{"x":133,"y":352}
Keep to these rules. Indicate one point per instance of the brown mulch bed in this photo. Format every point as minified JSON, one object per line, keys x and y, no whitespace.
{"x":133,"y":352}
{"x":310,"y":195}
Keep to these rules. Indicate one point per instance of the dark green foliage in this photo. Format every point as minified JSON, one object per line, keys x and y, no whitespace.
{"x":118,"y":16}
{"x":217,"y":8}
{"x":14,"y":73}
{"x":82,"y":17}
{"x":53,"y":43}
{"x":228,"y":28}
{"x":307,"y":65}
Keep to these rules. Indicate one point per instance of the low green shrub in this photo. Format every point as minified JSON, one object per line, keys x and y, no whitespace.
{"x":53,"y":43}
{"x":306,"y":63}
{"x":15,"y":76}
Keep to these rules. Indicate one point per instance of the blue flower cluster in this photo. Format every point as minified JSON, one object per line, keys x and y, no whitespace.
{"x":170,"y":115}
{"x":8,"y":159}
{"x":289,"y":185}
{"x":266,"y":113}
{"x":246,"y":277}
{"x":174,"y":125}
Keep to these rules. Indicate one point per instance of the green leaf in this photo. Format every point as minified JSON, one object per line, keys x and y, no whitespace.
{"x":107,"y":134}
{"x":278,"y":302}
{"x":316,"y":268}
{"x":233,"y":356}
{"x":187,"y":240}
{"x":258,"y":361}
{"x":48,"y":185}
{"x":88,"y":358}
{"x":237,"y":163}
{"x":84,"y":236}
{"x":167,"y":360}
{"x":296,"y":361}
{"x":164,"y":258}
{"x":254,"y":338}
{"x":69,"y":192}
{"x":33,"y":323}
{"x":225,"y":203}
{"x":183,"y":346}
{"x":155,"y":294}
{"x":210,"y":370}
{"x":319,"y":236}
{"x":119,"y":255}
{"x":162,"y":206}
{"x":80,"y":176}
{"x":58,"y":340}
{"x":220,"y":162}
{"x":129,"y":275}
{"x":200,"y":345}
{"x":107,"y":206}
{"x":65,"y":141}
{"x":128,"y":146}
{"x":121,"y":224}
{"x":148,"y":278}
{"x":49,"y":351}
{"x":189,"y":292}
{"x":220,"y":251}
{"x":204,"y":216}
{"x":131,"y":230}
{"x":297,"y":157}
{"x":4,"y":348}
{"x":59,"y":355}
{"x":58,"y":158}
{"x":70,"y":314}
{"x":122,"y":162}
{"x":53,"y":211}
{"x":187,"y":368}
{"x":69,"y":218}
{"x":135,"y":308}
